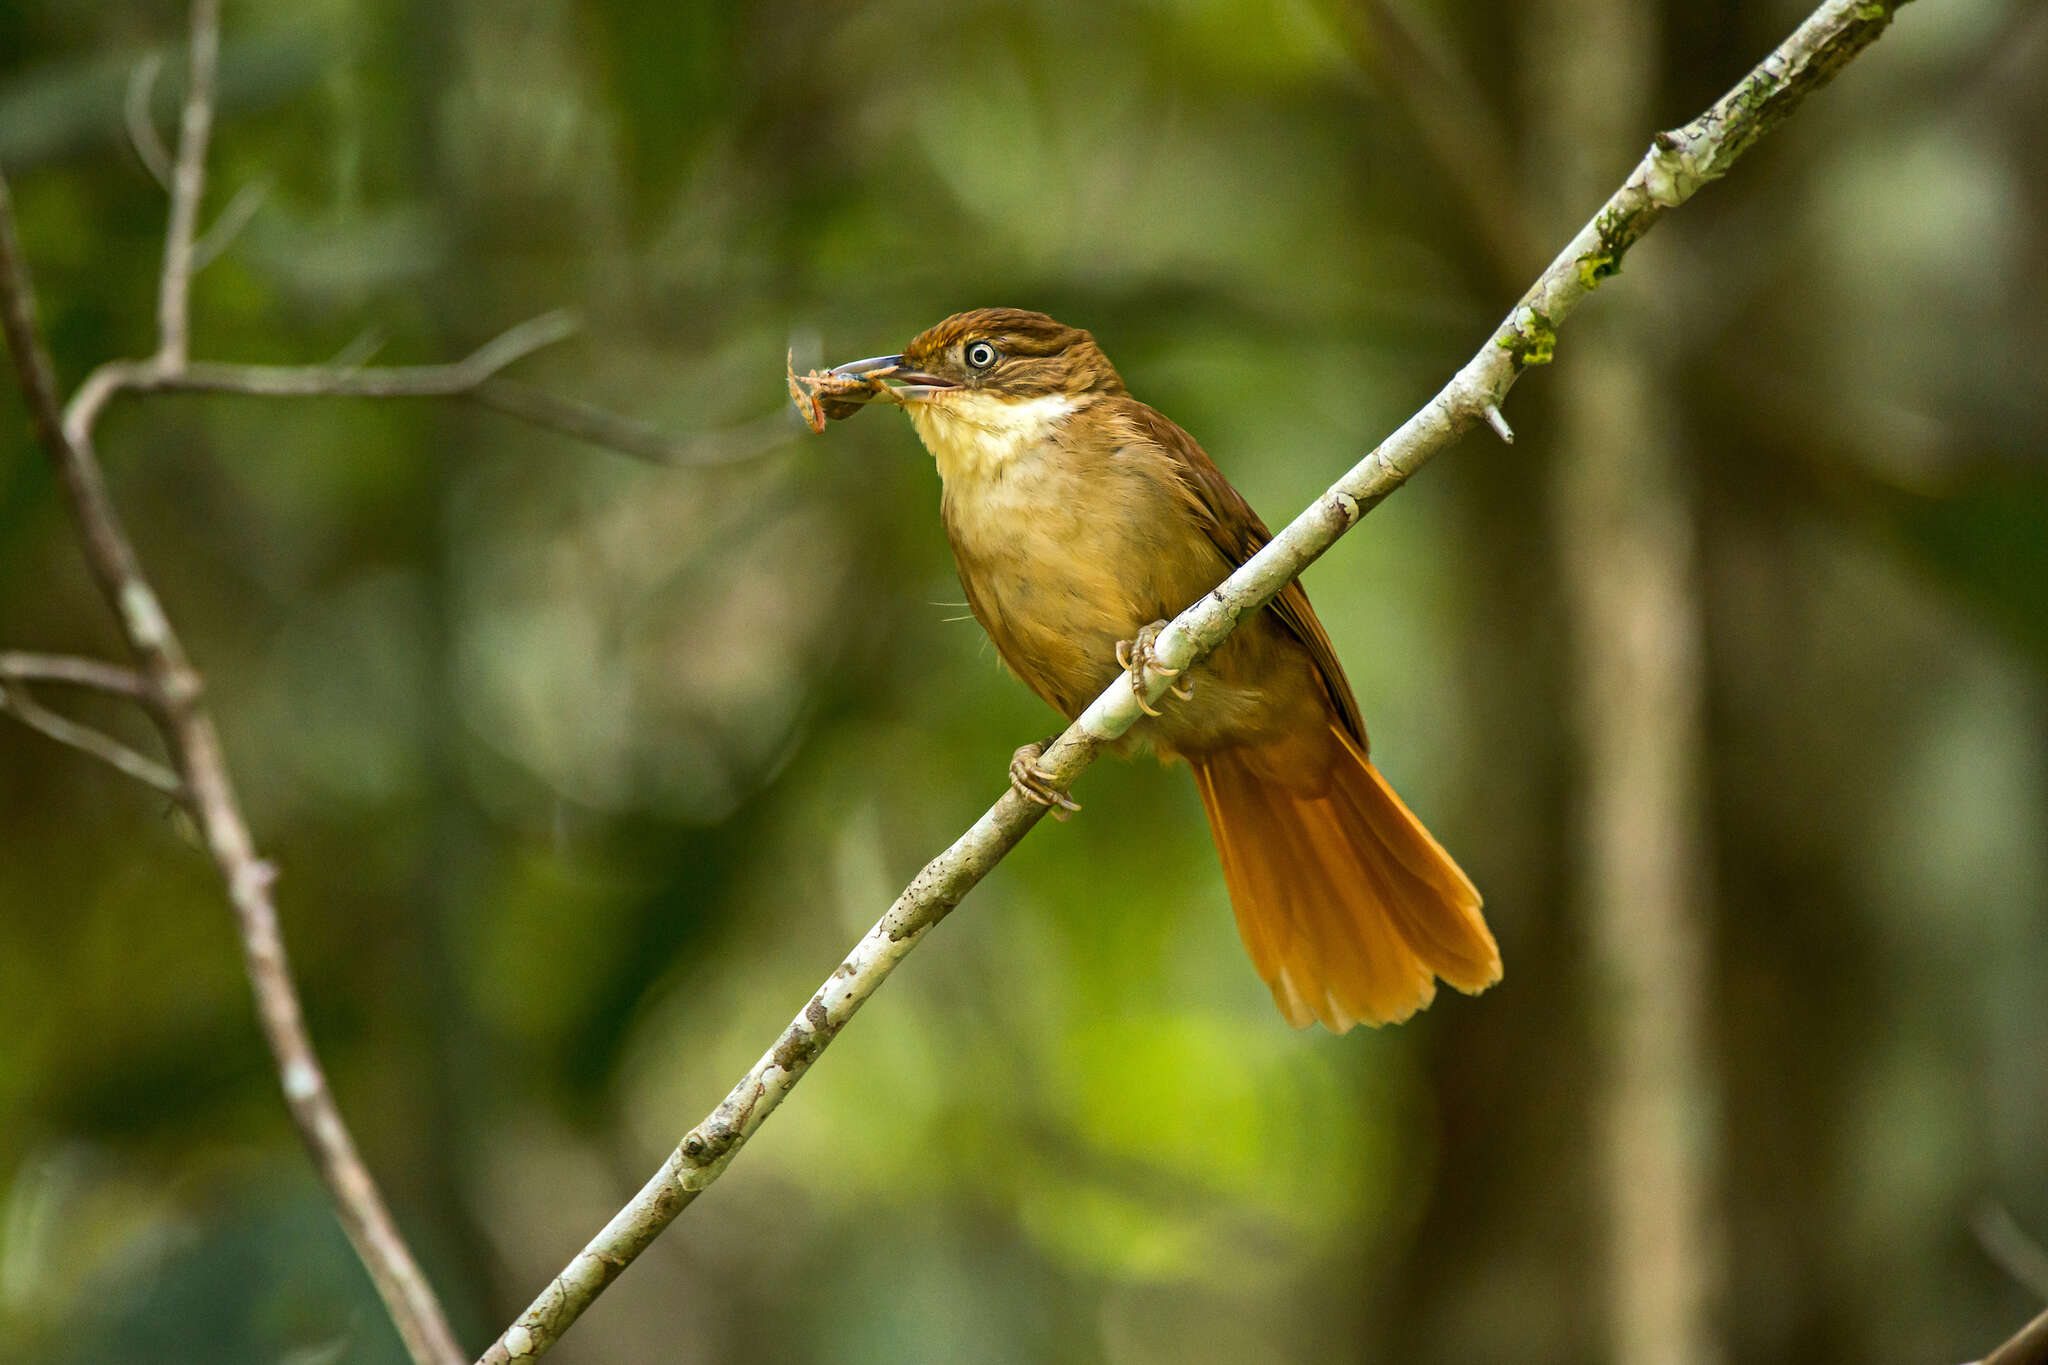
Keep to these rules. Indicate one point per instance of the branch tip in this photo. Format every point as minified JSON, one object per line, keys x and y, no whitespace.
{"x":1499,"y":423}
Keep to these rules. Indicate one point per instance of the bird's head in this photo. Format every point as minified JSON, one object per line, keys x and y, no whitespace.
{"x":1000,"y":354}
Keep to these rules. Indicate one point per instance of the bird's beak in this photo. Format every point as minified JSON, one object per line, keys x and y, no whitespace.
{"x":894,"y":379}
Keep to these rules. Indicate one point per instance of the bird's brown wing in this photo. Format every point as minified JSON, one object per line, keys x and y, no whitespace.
{"x":1239,"y":534}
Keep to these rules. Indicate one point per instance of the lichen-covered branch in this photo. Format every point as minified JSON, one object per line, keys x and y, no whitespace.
{"x":1676,"y":167}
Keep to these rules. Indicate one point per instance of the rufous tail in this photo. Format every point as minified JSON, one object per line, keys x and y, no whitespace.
{"x":1349,"y":908}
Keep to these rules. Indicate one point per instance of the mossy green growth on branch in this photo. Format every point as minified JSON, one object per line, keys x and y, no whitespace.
{"x":1619,"y":228}
{"x":1533,"y":341}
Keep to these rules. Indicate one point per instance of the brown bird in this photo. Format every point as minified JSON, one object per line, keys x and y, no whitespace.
{"x":1080,"y":519}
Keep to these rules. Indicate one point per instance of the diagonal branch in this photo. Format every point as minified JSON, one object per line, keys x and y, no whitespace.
{"x":189,"y":733}
{"x":187,"y":725}
{"x":1676,"y":167}
{"x":168,"y":684}
{"x":2028,"y":1346}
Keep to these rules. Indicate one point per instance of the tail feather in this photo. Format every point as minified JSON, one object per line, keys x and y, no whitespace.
{"x":1349,"y":909}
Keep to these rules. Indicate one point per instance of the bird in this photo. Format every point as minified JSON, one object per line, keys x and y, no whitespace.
{"x":1080,"y":520}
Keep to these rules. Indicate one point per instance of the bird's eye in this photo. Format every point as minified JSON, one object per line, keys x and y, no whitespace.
{"x":981,"y":355}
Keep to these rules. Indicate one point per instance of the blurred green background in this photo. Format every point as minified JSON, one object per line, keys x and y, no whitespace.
{"x":581,"y":773}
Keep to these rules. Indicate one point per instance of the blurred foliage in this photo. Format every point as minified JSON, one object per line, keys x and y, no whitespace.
{"x":581,"y":774}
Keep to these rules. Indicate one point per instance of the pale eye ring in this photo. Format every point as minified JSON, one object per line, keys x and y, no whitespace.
{"x":980,"y":355}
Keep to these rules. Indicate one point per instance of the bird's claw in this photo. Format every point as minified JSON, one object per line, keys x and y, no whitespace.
{"x":1134,"y":657}
{"x":1035,"y":784}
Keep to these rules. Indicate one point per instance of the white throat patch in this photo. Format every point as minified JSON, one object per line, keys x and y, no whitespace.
{"x":971,"y":433}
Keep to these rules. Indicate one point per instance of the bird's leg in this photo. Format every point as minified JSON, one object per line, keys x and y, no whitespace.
{"x":1034,"y":783}
{"x":1134,"y":657}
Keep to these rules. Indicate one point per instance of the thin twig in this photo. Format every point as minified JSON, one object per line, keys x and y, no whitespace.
{"x":595,"y":425}
{"x":362,"y":347}
{"x":69,"y":670}
{"x":16,"y":700}
{"x":1676,"y":167}
{"x":237,"y":215}
{"x":149,"y":144}
{"x":18,"y":669}
{"x":188,"y":187}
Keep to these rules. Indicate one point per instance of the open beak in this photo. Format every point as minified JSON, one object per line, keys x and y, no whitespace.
{"x":898,"y":381}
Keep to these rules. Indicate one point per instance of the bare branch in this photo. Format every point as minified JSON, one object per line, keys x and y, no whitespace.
{"x":382,"y":381}
{"x":172,"y":687}
{"x":149,"y":145}
{"x":188,"y":187}
{"x":15,"y":699}
{"x":189,"y":733}
{"x":474,"y":377}
{"x":314,"y":381}
{"x":1675,"y":168}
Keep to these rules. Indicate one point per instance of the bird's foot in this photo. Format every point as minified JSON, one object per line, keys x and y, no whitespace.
{"x":1134,"y":657}
{"x":1034,"y":783}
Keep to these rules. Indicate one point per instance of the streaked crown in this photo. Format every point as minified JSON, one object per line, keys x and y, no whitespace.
{"x":1014,"y":352}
